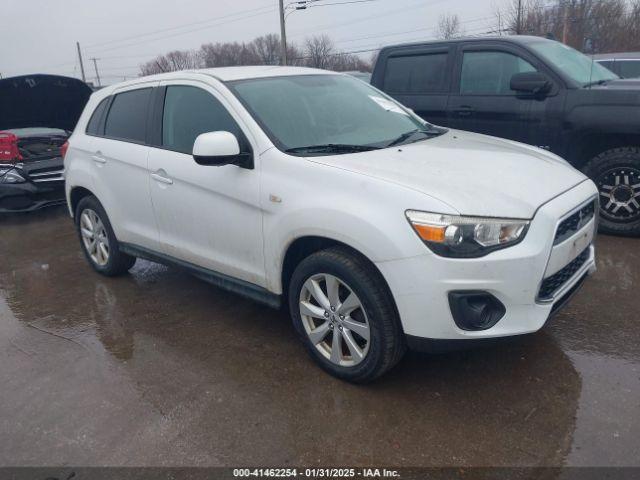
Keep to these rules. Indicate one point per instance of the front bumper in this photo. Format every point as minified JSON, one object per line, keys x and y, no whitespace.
{"x":420,"y":285}
{"x":44,"y":187}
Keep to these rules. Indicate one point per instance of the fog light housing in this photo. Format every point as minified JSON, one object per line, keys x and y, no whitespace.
{"x":475,"y":310}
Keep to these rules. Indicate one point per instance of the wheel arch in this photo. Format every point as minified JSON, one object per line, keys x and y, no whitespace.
{"x":75,"y":195}
{"x":304,"y":246}
{"x":593,"y":144}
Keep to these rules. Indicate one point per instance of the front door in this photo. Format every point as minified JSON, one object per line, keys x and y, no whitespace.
{"x":208,"y":216}
{"x":483,"y":101}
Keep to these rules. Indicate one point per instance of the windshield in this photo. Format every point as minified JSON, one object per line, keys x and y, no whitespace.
{"x":579,"y":67}
{"x":303,"y":114}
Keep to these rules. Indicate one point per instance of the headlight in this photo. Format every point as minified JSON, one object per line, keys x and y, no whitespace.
{"x":10,"y":175}
{"x":466,"y":237}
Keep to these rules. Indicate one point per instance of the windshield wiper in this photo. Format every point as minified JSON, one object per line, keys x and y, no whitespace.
{"x":332,"y":148}
{"x":407,"y":135}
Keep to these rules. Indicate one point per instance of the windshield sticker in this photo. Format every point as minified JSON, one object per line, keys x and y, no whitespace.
{"x":388,"y":105}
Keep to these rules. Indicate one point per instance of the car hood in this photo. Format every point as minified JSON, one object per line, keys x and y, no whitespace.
{"x":474,"y":174}
{"x":42,"y":101}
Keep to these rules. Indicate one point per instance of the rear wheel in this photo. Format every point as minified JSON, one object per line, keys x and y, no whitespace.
{"x":345,"y":316}
{"x":616,"y":173}
{"x":99,"y":243}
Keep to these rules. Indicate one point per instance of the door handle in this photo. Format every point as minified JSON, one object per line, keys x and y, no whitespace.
{"x":464,"y":111}
{"x":98,"y":158}
{"x":159,"y":176}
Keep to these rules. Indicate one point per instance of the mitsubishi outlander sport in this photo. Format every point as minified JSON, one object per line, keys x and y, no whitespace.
{"x":315,"y":191}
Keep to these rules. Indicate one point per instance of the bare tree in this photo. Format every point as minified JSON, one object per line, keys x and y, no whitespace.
{"x":171,"y":62}
{"x":228,"y":54}
{"x":449,"y":27}
{"x":318,"y":51}
{"x":267,"y":49}
{"x":588,"y":25}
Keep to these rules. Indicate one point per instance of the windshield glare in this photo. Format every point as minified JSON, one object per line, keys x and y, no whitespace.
{"x":579,"y":67}
{"x":311,"y":110}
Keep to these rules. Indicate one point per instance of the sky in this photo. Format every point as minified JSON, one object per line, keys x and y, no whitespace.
{"x":39,"y":36}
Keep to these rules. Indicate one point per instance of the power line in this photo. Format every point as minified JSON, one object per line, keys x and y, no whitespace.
{"x":163,"y":30}
{"x":331,"y":26}
{"x":184,"y":32}
{"x":392,"y":34}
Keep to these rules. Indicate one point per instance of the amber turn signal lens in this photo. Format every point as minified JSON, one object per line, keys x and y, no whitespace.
{"x":430,"y":233}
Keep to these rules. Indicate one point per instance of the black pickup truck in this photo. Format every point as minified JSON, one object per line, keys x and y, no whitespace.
{"x":535,"y":91}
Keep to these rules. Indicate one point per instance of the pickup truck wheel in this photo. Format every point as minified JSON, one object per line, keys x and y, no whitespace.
{"x":98,"y":241}
{"x":616,"y":173}
{"x":345,"y":316}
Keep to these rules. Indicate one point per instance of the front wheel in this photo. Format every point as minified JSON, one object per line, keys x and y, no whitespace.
{"x":345,"y":315}
{"x":616,"y":173}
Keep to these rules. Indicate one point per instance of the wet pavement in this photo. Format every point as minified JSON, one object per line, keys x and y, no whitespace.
{"x":159,"y":368}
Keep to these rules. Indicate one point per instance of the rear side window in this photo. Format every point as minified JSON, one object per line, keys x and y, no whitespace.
{"x":127,"y":116}
{"x":629,"y":68}
{"x":94,"y":122}
{"x":489,"y":73}
{"x":416,"y":73}
{"x":190,"y":111}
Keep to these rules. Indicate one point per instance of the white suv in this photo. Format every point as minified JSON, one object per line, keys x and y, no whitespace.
{"x":314,"y":190}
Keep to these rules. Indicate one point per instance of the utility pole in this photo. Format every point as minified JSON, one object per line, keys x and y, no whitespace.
{"x":95,"y":65}
{"x":565,"y":23}
{"x":84,"y":79}
{"x":519,"y":18}
{"x":283,"y":36}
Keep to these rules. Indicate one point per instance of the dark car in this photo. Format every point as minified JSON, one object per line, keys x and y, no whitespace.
{"x":535,"y":91}
{"x":625,"y":65}
{"x":37,"y":115}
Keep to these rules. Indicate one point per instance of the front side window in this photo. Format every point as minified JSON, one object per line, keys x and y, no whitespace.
{"x":416,"y":74}
{"x":582,"y":69}
{"x":190,"y":111}
{"x":490,"y":72}
{"x":127,"y":116}
{"x":337,"y":112}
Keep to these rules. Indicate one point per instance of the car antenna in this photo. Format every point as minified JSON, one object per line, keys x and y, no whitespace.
{"x":588,"y":45}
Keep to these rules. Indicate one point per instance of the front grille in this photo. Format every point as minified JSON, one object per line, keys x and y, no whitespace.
{"x":48,"y":175}
{"x":575,"y":222}
{"x":556,"y":281}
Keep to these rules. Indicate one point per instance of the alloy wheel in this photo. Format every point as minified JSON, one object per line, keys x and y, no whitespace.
{"x":335,"y":320}
{"x":94,"y":237}
{"x":620,"y":194}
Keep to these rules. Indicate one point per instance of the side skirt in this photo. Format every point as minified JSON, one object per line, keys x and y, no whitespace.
{"x":234,"y":285}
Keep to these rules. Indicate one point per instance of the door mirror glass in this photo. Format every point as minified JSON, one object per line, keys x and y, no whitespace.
{"x":216,"y":149}
{"x":530,"y":82}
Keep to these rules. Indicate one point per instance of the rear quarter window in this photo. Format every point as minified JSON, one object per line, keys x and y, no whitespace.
{"x":411,"y":74}
{"x":127,"y":117}
{"x":93,"y":127}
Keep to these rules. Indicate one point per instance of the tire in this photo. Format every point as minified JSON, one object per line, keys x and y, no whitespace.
{"x":616,"y":173}
{"x":359,"y":282}
{"x":94,"y":229}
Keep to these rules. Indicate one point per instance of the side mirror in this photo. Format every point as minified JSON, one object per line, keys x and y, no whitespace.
{"x":530,"y":82}
{"x":217,"y":149}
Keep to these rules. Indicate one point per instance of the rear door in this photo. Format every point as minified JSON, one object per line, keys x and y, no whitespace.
{"x":483,"y":101}
{"x":419,"y":78}
{"x":119,"y":155}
